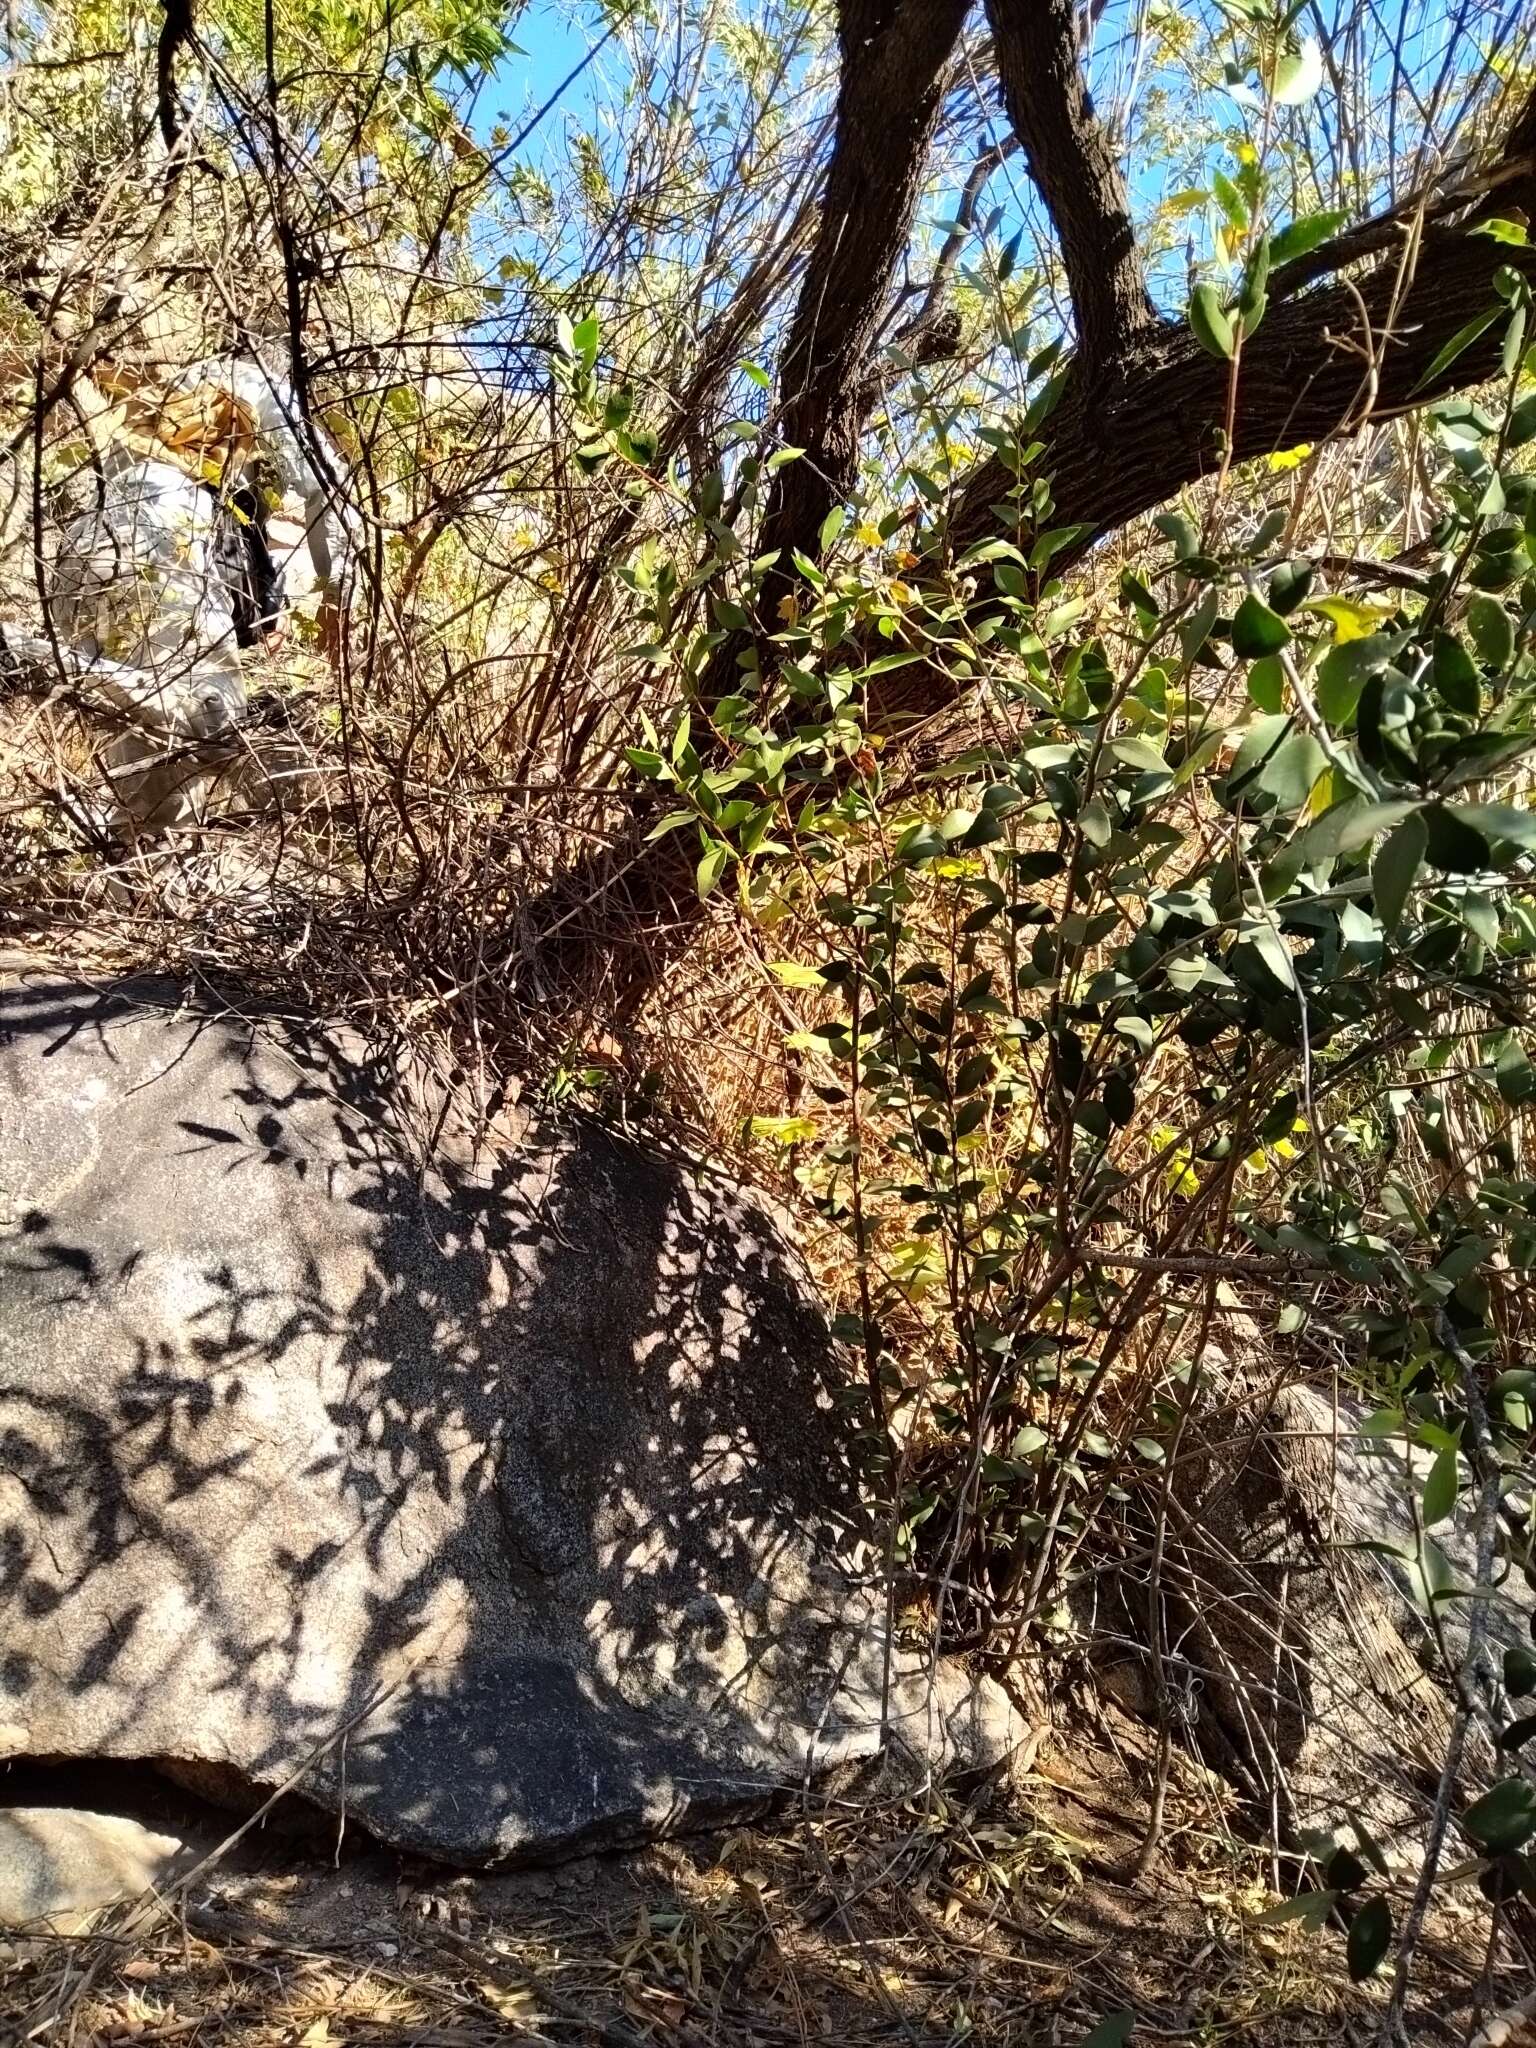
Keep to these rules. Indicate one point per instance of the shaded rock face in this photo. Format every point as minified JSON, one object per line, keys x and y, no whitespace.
{"x":511,"y":1496}
{"x":1305,"y":1668}
{"x":1288,"y":1641}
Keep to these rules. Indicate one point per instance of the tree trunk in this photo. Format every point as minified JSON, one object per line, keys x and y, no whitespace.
{"x":895,"y":59}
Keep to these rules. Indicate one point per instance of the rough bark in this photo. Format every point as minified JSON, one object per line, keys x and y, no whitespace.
{"x":177,"y":30}
{"x":1320,"y":365}
{"x":1076,"y":171}
{"x":895,"y":59}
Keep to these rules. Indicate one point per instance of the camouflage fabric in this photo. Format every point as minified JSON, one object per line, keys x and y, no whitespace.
{"x":159,"y":575}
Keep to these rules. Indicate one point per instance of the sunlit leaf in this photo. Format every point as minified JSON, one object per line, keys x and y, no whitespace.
{"x":711,"y":867}
{"x":1441,"y":1486}
{"x":1298,"y":74}
{"x":1350,"y":619}
{"x":1302,"y":236}
{"x":1458,"y":345}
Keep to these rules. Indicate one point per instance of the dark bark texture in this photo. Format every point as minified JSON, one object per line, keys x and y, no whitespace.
{"x":1320,"y":365}
{"x":1076,"y":171}
{"x":895,"y":61}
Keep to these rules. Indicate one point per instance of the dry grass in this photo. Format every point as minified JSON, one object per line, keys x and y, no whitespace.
{"x":941,"y":1920}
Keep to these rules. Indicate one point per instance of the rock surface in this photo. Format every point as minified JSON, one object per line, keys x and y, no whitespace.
{"x":60,"y":1866}
{"x":509,"y":1497}
{"x":1302,"y":1658}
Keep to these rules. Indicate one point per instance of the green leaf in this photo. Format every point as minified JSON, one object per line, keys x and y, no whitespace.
{"x":1344,"y":670}
{"x":1310,"y":1908}
{"x":1345,"y":1870}
{"x":1257,"y":631}
{"x":919,"y":842}
{"x":1513,"y":1074}
{"x":1347,"y":828}
{"x":1455,"y":675}
{"x":1396,"y":867}
{"x":584,"y":338}
{"x":1370,"y":1936}
{"x":1138,"y":753}
{"x":1119,"y":1099}
{"x":1281,"y":1120}
{"x":1519,"y":1670}
{"x":1093,"y":822}
{"x":1458,"y":344}
{"x":1493,"y":631}
{"x":1278,"y":760}
{"x":1504,"y":1818}
{"x":1113,"y":2032}
{"x":1299,"y":74}
{"x":1522,"y":423}
{"x":1211,"y":327}
{"x":1271,"y":948}
{"x":1514,"y":344}
{"x":1266,"y":683}
{"x":1288,"y":586}
{"x":711,"y":867}
{"x":1500,"y":821}
{"x":1302,"y":236}
{"x":1441,"y":1487}
{"x":1451,"y":843}
{"x":1052,"y":542}
{"x":1515,"y":1393}
{"x":1230,"y":201}
{"x":783,"y":1130}
{"x":668,"y":824}
{"x":831,"y":527}
{"x":1181,"y":531}
{"x":1360,"y":933}
{"x":1251,"y":296}
{"x":1507,"y":231}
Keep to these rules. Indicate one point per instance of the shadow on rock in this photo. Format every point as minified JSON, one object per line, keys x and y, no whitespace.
{"x":511,"y":1496}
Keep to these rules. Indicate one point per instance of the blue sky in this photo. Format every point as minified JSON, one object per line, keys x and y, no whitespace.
{"x":554,"y":36}
{"x":553,"y":39}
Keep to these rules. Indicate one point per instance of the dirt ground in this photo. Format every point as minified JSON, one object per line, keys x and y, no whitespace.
{"x":1011,"y":1914}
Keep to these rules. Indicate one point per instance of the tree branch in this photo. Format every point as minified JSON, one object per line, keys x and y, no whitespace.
{"x":1127,"y":441}
{"x":895,"y":56}
{"x":964,"y":221}
{"x":1075,"y":169}
{"x":1432,"y":204}
{"x":176,"y":30}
